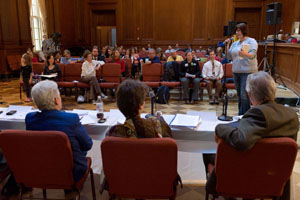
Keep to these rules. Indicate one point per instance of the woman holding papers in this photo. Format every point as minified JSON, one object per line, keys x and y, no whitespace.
{"x":88,"y":75}
{"x":51,"y":69}
{"x":131,"y":97}
{"x":244,"y":62}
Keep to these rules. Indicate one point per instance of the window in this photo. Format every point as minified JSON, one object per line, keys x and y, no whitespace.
{"x":36,"y":22}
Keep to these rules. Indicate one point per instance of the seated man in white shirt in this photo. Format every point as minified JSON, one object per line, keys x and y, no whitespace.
{"x":169,"y":49}
{"x":212,"y":73}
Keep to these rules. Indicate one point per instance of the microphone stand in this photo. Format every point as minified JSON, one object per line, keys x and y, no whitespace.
{"x":224,"y":116}
{"x":153,"y":96}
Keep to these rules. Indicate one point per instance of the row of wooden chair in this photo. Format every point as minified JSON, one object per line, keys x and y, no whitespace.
{"x":14,"y":62}
{"x":110,"y":76}
{"x":146,"y":168}
{"x":71,"y":75}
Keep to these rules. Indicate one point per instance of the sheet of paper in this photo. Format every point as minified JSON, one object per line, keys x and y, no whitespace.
{"x":86,"y":119}
{"x":49,"y":76}
{"x":20,"y":108}
{"x":116,"y":113}
{"x":80,"y":112}
{"x":205,"y":116}
{"x":185,"y":120}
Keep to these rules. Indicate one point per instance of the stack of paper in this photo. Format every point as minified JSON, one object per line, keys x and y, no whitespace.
{"x":186,"y":120}
{"x":245,"y":48}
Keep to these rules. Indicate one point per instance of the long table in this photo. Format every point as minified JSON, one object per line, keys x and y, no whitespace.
{"x":191,"y":143}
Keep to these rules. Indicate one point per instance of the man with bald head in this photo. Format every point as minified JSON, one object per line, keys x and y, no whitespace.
{"x":265,"y":119}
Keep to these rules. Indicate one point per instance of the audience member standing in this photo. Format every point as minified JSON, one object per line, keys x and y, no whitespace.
{"x":26,"y":75}
{"x":244,"y":63}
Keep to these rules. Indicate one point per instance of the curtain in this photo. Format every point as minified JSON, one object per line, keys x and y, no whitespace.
{"x":42,"y":6}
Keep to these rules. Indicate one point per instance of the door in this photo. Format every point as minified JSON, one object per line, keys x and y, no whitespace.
{"x":105,"y":35}
{"x":253,"y":18}
{"x":103,"y":27}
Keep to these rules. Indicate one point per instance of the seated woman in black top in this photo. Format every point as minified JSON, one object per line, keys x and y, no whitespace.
{"x":51,"y":68}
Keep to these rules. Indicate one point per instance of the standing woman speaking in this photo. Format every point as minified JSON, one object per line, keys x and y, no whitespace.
{"x":243,"y":64}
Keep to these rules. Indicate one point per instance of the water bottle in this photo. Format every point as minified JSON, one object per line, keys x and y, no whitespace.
{"x":99,"y":108}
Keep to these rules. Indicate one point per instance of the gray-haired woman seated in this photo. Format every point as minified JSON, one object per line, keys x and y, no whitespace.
{"x":131,"y":97}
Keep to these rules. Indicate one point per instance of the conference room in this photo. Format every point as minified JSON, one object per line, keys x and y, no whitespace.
{"x":130,"y":99}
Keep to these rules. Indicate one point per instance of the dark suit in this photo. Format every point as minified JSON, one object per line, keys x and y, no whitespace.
{"x":266,"y":120}
{"x":68,"y":123}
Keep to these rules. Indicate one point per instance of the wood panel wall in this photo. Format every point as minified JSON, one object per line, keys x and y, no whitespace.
{"x":138,"y":22}
{"x":160,"y":23}
{"x":15,"y":34}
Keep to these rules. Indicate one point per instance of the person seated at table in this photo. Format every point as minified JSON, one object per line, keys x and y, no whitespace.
{"x":116,"y":58}
{"x":190,"y":73}
{"x":151,"y":58}
{"x":68,"y":59}
{"x":51,"y":69}
{"x":131,"y":96}
{"x":88,"y":75}
{"x":212,"y":73}
{"x":265,"y":119}
{"x":46,"y":97}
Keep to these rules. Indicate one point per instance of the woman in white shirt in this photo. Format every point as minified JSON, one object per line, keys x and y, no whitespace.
{"x":88,"y":75}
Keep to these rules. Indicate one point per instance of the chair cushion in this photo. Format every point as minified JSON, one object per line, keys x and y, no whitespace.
{"x":170,"y":84}
{"x":82,"y":85}
{"x":108,"y":85}
{"x":152,"y":84}
{"x":66,"y":84}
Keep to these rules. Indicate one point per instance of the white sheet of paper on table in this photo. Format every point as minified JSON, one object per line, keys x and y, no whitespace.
{"x":205,"y":116}
{"x":185,"y":120}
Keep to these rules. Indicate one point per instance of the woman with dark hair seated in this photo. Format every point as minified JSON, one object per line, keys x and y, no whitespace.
{"x":131,"y":97}
{"x":116,"y":58}
{"x":51,"y":68}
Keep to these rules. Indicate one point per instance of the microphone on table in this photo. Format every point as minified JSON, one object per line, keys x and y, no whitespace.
{"x":152,"y":96}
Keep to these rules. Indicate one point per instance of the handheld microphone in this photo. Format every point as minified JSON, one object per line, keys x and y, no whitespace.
{"x":225,"y":42}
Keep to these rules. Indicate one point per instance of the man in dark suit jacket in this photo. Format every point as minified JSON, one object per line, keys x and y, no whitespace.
{"x":47,"y":98}
{"x":265,"y":119}
{"x":96,"y":56}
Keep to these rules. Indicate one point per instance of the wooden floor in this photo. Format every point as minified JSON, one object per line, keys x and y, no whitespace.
{"x":9,"y":95}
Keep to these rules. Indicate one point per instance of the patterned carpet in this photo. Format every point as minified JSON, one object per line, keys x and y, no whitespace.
{"x":9,"y":95}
